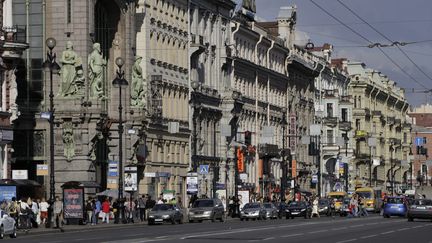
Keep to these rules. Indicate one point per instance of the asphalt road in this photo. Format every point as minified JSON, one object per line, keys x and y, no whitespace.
{"x":323,"y":230}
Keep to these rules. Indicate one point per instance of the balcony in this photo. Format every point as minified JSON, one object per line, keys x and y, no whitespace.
{"x":330,"y":93}
{"x":390,"y":120}
{"x":364,"y":112}
{"x":345,"y":125}
{"x":330,"y":121}
{"x":345,"y":99}
{"x":395,"y":141}
{"x":13,"y":41}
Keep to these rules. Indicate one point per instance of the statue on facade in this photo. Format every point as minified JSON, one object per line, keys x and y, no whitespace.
{"x":68,"y":142}
{"x":96,"y":66}
{"x":139,"y":86}
{"x":249,"y":5}
{"x":70,"y":62}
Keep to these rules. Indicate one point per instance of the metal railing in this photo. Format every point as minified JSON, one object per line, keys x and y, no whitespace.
{"x":13,"y":34}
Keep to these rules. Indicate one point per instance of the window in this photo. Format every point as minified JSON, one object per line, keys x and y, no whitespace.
{"x":330,"y":136}
{"x":424,"y":140}
{"x":69,"y":11}
{"x":329,"y":109}
{"x":344,"y":114}
{"x":405,"y":137}
{"x":358,"y":124}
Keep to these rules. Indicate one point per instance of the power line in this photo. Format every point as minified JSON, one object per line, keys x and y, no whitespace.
{"x":366,"y":39}
{"x":374,"y":22}
{"x":386,"y":37}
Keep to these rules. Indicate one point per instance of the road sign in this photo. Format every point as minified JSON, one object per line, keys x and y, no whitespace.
{"x":204,"y":169}
{"x":314,"y":178}
{"x":419,"y":141}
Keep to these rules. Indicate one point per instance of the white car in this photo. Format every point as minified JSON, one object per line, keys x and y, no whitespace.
{"x":7,"y":225}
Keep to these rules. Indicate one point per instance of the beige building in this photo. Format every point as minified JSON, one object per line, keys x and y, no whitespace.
{"x":382,"y":133}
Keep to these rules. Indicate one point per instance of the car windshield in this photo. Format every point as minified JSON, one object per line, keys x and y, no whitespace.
{"x":323,"y":202}
{"x":251,"y":205}
{"x":395,"y":200}
{"x":423,"y":202}
{"x":297,"y":204}
{"x":267,"y":205}
{"x":162,"y":207}
{"x":203,"y":204}
{"x":366,"y":195}
{"x":337,"y":197}
{"x":346,"y":200}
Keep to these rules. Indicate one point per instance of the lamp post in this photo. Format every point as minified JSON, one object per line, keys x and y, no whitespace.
{"x":410,"y":169}
{"x":372,"y":143}
{"x":284,"y":164}
{"x":391,"y":168}
{"x":51,"y":65}
{"x":120,"y":82}
{"x":236,"y":111}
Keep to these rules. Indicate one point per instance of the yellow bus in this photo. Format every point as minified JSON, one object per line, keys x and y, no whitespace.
{"x":372,"y":196}
{"x":339,"y":196}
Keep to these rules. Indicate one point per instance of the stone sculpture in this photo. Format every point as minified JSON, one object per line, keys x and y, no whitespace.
{"x":68,"y":142}
{"x":96,"y":67}
{"x":70,"y":62}
{"x":139,"y":87}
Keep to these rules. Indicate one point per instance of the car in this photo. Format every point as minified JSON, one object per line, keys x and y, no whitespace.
{"x":7,"y":225}
{"x":207,"y":209}
{"x":324,"y":206}
{"x":253,"y":211}
{"x":161,"y":213}
{"x":271,"y":210}
{"x":298,"y":209}
{"x":395,"y":206}
{"x":345,"y":209}
{"x":420,"y":209}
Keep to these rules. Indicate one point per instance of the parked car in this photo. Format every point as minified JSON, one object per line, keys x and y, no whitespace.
{"x":271,"y":210}
{"x":299,"y":209}
{"x":281,"y":209}
{"x":420,"y":209}
{"x":161,"y":213}
{"x":395,"y":206}
{"x":344,"y":209}
{"x":7,"y":225}
{"x":252,"y":211}
{"x":324,"y":206}
{"x":207,"y":209}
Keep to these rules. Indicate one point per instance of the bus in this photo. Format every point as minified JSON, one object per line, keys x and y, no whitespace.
{"x":339,"y":196}
{"x":372,"y":196}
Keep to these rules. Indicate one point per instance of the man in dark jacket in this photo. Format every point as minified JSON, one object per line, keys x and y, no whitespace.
{"x":141,"y":204}
{"x":150,"y":203}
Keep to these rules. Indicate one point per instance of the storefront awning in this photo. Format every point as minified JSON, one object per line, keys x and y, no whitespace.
{"x":10,"y":182}
{"x":85,"y":184}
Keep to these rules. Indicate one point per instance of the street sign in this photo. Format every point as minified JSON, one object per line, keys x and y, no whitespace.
{"x":314,"y":178}
{"x":112,"y":168}
{"x":243,"y":176}
{"x":338,"y":186}
{"x":204,"y":169}
{"x":19,"y":174}
{"x":41,"y":170}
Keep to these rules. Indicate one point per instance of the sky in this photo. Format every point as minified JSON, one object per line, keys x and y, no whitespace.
{"x":398,"y":20}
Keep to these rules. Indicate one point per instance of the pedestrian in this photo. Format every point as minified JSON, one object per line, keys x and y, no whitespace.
{"x":106,"y":209}
{"x":142,"y":207}
{"x":129,"y":206}
{"x":43,"y":207}
{"x":58,"y":212}
{"x":116,"y":211}
{"x":315,"y":208}
{"x":98,"y":209}
{"x":90,"y":210}
{"x":160,"y":200}
{"x":36,"y":212}
{"x":354,"y":206}
{"x":150,"y":203}
{"x":362,"y":208}
{"x":332,"y":207}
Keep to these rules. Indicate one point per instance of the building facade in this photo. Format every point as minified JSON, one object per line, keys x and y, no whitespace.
{"x":382,"y":133}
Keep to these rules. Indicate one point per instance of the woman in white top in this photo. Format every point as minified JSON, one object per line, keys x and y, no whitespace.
{"x":315,"y":208}
{"x":43,"y":207}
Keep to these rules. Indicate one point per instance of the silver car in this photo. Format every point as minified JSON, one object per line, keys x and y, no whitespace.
{"x":207,"y":209}
{"x":7,"y":225}
{"x":161,"y":213}
{"x":253,"y":211}
{"x":420,"y":209}
{"x":271,"y":210}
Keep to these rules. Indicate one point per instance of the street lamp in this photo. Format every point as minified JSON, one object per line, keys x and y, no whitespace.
{"x":195,"y":105}
{"x":120,"y":82}
{"x":236,"y":96}
{"x":50,"y":65}
{"x":372,"y":143}
{"x":284,"y":165}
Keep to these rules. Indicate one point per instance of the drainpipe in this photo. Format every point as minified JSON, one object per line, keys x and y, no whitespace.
{"x":268,"y":83}
{"x":256,"y":115}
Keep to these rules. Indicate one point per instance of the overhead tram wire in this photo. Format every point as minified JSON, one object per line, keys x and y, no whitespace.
{"x":386,"y":37}
{"x":370,"y":42}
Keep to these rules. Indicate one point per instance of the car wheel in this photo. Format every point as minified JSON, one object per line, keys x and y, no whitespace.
{"x":213,"y":218}
{"x":222,"y":219}
{"x":386,"y":216}
{"x":180,"y":220}
{"x":410,"y":219}
{"x":199,"y":221}
{"x":14,"y":234}
{"x":173,"y":221}
{"x":241,"y":219}
{"x":191,"y":221}
{"x":1,"y":232}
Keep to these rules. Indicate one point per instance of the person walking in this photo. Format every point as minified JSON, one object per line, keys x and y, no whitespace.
{"x":36,"y":212}
{"x":106,"y":208}
{"x":315,"y":208}
{"x":43,"y":207}
{"x":362,"y":208}
{"x":130,"y":206}
{"x":98,"y":209}
{"x":150,"y":203}
{"x":58,"y":212}
{"x":142,"y":207}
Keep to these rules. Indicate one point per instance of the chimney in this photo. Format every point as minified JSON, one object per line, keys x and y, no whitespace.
{"x":287,"y":18}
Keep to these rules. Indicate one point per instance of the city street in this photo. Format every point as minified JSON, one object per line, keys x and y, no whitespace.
{"x":371,"y":229}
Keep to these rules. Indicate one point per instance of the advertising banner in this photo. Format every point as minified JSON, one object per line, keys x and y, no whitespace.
{"x":7,"y":193}
{"x":41,"y":170}
{"x":112,"y":168}
{"x":294,"y":168}
{"x":192,"y":185}
{"x":243,"y":198}
{"x":73,"y":203}
{"x":131,"y":179}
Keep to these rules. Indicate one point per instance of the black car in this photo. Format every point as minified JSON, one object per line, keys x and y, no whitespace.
{"x":344,"y":209}
{"x":281,"y":209}
{"x":324,"y":206}
{"x":298,"y":209}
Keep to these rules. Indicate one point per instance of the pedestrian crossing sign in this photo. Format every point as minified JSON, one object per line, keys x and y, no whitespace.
{"x":204,"y":169}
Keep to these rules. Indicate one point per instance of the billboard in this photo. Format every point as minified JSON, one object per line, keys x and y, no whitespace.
{"x":7,"y":193}
{"x":73,"y":203}
{"x":191,"y":184}
{"x":131,"y":179}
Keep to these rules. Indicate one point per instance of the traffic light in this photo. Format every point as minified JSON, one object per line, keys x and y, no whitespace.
{"x":248,"y":138}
